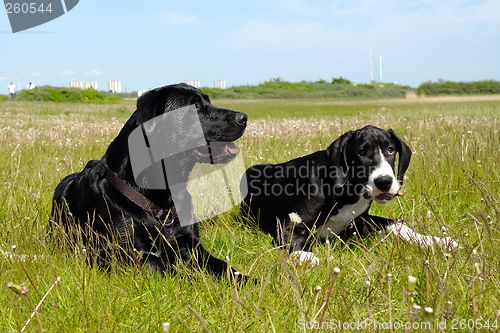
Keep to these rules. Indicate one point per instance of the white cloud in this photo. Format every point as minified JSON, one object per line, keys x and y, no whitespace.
{"x":66,"y":72}
{"x":3,"y":78}
{"x":280,"y":37}
{"x":164,"y":18}
{"x":178,"y":19}
{"x":295,"y":7}
{"x":36,"y":74}
{"x":369,"y":15}
{"x":93,"y":72}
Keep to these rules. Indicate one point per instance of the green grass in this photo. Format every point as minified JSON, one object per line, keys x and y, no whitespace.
{"x":452,"y":182}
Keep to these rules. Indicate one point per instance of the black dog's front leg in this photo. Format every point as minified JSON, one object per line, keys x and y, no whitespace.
{"x":217,"y":266}
{"x":297,"y":230}
{"x":295,"y":233}
{"x":297,"y":223}
{"x":193,"y":252}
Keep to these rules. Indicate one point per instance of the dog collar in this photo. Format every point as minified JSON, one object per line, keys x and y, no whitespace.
{"x":129,"y":192}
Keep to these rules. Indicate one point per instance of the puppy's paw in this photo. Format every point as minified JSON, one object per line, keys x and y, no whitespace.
{"x":301,"y":257}
{"x":449,"y":244}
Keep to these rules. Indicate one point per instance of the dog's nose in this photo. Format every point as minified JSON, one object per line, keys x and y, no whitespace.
{"x":241,"y":119}
{"x":383,"y":183}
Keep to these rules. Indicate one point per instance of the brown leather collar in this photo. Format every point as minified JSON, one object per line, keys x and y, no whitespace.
{"x":130,"y":193}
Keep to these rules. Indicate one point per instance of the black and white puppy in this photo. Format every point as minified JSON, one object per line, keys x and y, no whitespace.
{"x":331,"y":191}
{"x":112,"y":213}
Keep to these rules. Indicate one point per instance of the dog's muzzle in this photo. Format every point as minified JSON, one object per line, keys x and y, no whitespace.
{"x":368,"y":193}
{"x":384,"y":197}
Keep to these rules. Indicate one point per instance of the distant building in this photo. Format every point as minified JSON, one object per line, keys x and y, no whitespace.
{"x":195,"y":84}
{"x":114,"y":86}
{"x":220,"y":84}
{"x":76,"y":84}
{"x":91,"y":85}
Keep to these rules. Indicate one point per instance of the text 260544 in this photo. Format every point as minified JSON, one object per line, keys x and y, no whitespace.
{"x":27,"y":8}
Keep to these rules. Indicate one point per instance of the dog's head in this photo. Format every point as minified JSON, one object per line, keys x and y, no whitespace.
{"x":181,"y":131}
{"x":366,"y":159}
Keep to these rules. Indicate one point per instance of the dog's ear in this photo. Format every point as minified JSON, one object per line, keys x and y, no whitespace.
{"x":404,"y":155}
{"x":336,"y":154}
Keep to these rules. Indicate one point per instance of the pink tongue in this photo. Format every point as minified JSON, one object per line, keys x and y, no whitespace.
{"x":232,"y":148}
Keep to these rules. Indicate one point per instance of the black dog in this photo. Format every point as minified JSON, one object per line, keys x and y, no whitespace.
{"x":332,"y":191}
{"x":112,"y":213}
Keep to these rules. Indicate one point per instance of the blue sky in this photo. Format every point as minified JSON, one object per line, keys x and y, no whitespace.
{"x":154,"y":43}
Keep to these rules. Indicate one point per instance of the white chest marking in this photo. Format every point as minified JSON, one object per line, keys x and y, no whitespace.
{"x":336,"y":223}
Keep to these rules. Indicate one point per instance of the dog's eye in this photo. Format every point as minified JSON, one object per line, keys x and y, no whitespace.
{"x":362,"y":152}
{"x":391,"y":151}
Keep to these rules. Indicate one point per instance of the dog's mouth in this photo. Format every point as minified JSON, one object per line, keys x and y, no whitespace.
{"x":383,"y":198}
{"x":379,"y":197}
{"x":217,"y":152}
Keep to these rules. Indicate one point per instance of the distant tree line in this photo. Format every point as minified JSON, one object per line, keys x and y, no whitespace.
{"x":62,"y":94}
{"x":277,"y":88}
{"x":442,"y":87}
{"x":337,"y":88}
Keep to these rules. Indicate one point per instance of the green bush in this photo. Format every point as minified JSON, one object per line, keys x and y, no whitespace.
{"x":278,"y":88}
{"x":340,"y":80}
{"x":132,"y":94}
{"x":443,"y":87}
{"x":58,"y":94}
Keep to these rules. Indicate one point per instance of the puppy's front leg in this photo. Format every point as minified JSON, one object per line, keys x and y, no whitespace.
{"x":411,"y":236}
{"x":296,"y":231}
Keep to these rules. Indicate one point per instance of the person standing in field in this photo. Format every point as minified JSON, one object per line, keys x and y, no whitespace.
{"x":12,"y":91}
{"x":31,"y":86}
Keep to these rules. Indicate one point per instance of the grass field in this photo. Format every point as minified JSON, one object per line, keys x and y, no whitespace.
{"x":452,"y":186}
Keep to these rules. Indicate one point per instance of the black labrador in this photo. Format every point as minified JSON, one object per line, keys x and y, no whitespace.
{"x":331,"y":191}
{"x":107,"y":208}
